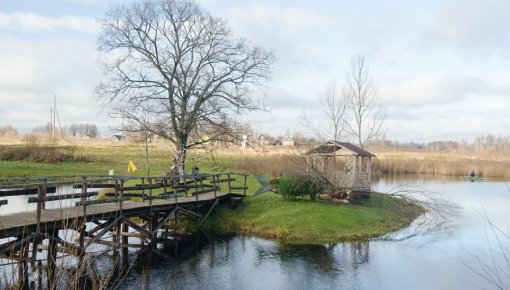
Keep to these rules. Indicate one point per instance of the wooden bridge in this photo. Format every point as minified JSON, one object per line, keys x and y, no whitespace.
{"x":141,"y":207}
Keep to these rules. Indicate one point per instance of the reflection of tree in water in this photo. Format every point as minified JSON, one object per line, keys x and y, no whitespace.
{"x":327,"y":258}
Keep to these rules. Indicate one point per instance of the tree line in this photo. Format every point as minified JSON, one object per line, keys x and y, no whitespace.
{"x":482,"y":142}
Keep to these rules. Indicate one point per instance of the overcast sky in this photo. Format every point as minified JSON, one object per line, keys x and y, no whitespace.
{"x":442,"y":67}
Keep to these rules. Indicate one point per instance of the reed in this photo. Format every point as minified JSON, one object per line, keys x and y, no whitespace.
{"x":441,"y":166}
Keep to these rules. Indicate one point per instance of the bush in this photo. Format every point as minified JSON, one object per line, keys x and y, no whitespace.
{"x":304,"y":185}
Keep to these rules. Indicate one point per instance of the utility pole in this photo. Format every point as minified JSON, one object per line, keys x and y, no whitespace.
{"x":53,"y":119}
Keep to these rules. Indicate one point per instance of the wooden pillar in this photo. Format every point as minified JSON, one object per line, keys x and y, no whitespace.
{"x":83,"y":221}
{"x":229,"y":184}
{"x":214,"y":183}
{"x":150,"y":193}
{"x":196,"y":189}
{"x":143,"y":189}
{"x":369,"y":170}
{"x":125,"y":242}
{"x":245,"y":187}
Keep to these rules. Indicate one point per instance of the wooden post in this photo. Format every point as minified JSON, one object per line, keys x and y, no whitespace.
{"x":175,"y":195}
{"x":229,"y":184}
{"x":215,"y":184}
{"x":164,"y":184}
{"x":244,"y":189}
{"x":125,"y":242}
{"x":83,"y":226}
{"x":143,"y":189}
{"x":44,"y":192}
{"x":150,"y":193}
{"x":370,"y":172}
{"x":196,"y":189}
{"x":119,"y":224}
{"x":37,"y":239}
{"x":152,"y":223}
{"x":354,"y":170}
{"x":40,"y":205}
{"x":116,"y":227}
{"x":125,"y":229}
{"x":176,"y":220}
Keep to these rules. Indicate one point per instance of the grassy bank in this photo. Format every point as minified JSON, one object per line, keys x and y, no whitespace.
{"x":270,"y":216}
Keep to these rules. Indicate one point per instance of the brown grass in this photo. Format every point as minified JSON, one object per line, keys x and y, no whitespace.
{"x":42,"y":154}
{"x":488,"y":163}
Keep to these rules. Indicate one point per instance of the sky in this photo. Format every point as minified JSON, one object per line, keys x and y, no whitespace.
{"x":442,"y":67}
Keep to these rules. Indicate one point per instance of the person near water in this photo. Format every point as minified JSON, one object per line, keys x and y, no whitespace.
{"x":472,"y":173}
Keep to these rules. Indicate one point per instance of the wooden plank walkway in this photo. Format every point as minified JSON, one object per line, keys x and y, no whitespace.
{"x":14,"y":223}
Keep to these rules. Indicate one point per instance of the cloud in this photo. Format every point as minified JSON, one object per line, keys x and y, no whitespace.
{"x":475,"y":27}
{"x":441,"y":90}
{"x":32,"y":22}
{"x":34,"y":70}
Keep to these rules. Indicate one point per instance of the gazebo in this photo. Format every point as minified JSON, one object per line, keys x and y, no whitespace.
{"x":346,"y":166}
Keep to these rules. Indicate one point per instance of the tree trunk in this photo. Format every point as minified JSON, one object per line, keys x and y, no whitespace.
{"x":181,"y":156}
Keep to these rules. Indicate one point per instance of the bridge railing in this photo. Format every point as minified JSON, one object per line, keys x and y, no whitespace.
{"x":147,"y":188}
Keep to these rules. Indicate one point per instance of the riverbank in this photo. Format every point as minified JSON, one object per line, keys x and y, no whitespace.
{"x":314,"y":222}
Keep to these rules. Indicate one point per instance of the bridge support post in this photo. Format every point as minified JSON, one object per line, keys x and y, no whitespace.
{"x":125,"y":242}
{"x":41,"y":192}
{"x":82,"y":225}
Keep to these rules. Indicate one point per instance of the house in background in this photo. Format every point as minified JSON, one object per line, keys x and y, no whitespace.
{"x":288,"y":142}
{"x":264,"y":139}
{"x":118,"y":138}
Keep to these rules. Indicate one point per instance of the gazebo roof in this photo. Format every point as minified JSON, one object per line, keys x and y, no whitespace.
{"x":334,"y":146}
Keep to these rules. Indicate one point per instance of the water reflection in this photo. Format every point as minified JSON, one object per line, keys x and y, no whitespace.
{"x":433,"y":261}
{"x":236,"y":262}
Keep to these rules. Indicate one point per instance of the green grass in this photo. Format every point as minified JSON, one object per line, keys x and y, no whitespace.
{"x":307,"y":221}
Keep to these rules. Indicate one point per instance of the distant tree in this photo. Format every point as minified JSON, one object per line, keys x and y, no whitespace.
{"x":91,"y":130}
{"x":73,"y":130}
{"x":174,"y":69}
{"x":8,"y":131}
{"x":46,"y":129}
{"x":331,"y":124}
{"x":366,"y":112}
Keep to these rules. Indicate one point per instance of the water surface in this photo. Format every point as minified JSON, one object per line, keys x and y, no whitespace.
{"x":435,"y":260}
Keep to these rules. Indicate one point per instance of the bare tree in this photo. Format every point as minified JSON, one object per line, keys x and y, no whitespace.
{"x":366,"y":112}
{"x":172,"y":60}
{"x":331,"y":124}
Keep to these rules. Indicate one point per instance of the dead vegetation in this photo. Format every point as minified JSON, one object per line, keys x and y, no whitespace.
{"x":40,"y":154}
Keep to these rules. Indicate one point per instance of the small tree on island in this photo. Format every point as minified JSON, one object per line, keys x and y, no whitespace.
{"x":172,"y":61}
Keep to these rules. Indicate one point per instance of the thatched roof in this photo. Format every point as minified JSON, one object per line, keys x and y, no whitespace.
{"x":334,"y":146}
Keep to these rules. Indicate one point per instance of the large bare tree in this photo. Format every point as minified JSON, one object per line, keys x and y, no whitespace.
{"x":366,"y":112}
{"x":172,"y":61}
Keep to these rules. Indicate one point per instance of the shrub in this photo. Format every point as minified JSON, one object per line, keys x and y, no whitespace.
{"x":303,"y":185}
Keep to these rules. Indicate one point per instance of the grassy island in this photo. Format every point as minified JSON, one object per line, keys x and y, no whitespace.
{"x":305,"y":221}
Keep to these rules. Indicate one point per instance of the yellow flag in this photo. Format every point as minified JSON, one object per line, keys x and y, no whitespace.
{"x":131,"y":167}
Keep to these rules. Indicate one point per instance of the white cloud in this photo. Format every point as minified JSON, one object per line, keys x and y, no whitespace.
{"x":32,"y":22}
{"x":34,"y":70}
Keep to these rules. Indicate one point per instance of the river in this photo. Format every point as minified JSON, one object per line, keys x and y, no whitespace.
{"x":442,"y":259}
{"x":447,"y":257}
